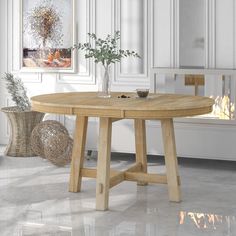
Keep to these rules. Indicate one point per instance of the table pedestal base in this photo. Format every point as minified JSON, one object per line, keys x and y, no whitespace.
{"x":107,"y":178}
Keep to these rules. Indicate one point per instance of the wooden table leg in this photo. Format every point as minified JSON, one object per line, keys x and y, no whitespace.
{"x":103,"y":164}
{"x":171,"y":160}
{"x":140,"y":145}
{"x":78,"y":153}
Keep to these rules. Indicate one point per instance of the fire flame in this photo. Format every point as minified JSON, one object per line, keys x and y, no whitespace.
{"x":223,"y":108}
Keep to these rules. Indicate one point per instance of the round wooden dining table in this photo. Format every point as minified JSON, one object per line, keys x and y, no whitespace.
{"x":122,"y":105}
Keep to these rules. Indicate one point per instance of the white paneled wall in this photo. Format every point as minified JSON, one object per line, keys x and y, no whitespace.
{"x":131,"y":18}
{"x":4,"y":129}
{"x":150,"y":27}
{"x":102,"y":17}
{"x":214,"y":48}
{"x":225,"y":36}
{"x":192,"y":33}
{"x":162,"y":34}
{"x":133,"y":27}
{"x":173,"y":32}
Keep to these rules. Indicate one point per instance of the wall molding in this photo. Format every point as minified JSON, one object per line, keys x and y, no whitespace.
{"x":212,"y":34}
{"x":14,"y":35}
{"x":88,"y":76}
{"x":173,"y":38}
{"x":206,"y":40}
{"x":234,"y":33}
{"x":152,"y":25}
{"x":10,"y":10}
{"x":9,"y":30}
{"x":131,"y":79}
{"x":176,"y":33}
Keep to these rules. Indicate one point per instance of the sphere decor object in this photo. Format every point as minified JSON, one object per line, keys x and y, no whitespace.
{"x":51,"y":140}
{"x":21,"y":125}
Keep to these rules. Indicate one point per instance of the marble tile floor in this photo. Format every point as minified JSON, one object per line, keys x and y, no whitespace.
{"x":34,"y":201}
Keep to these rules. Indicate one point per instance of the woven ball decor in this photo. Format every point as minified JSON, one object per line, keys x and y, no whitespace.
{"x":51,"y":140}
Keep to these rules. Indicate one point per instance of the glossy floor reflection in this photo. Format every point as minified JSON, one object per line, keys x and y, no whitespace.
{"x":34,"y":201}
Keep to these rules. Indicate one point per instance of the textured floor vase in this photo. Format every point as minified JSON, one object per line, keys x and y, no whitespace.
{"x":21,"y":125}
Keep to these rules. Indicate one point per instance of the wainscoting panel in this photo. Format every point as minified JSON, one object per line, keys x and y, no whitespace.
{"x":225,"y":36}
{"x":85,"y":23}
{"x":4,"y":129}
{"x":150,"y":27}
{"x":162,"y":31}
{"x":131,"y":19}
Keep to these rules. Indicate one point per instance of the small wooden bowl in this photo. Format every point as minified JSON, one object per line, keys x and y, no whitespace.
{"x":142,"y":93}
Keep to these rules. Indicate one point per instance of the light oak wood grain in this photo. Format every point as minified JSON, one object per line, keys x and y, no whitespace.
{"x":171,"y":160}
{"x":137,"y":167}
{"x":78,"y":153}
{"x":103,"y":164}
{"x":140,"y":145}
{"x":144,"y":177}
{"x":156,"y":106}
{"x":133,"y":173}
{"x":116,"y":179}
{"x":162,"y":107}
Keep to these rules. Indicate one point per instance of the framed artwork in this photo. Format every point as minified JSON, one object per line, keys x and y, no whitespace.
{"x":48,"y":33}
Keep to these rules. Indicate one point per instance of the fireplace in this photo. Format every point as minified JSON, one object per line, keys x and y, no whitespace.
{"x":217,"y":86}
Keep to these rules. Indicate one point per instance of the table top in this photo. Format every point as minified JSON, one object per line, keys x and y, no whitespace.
{"x":155,"y":106}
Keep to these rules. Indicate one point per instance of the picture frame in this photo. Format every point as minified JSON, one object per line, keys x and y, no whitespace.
{"x":47,"y":36}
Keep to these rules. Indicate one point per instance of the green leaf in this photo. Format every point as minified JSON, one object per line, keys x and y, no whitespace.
{"x":106,"y":50}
